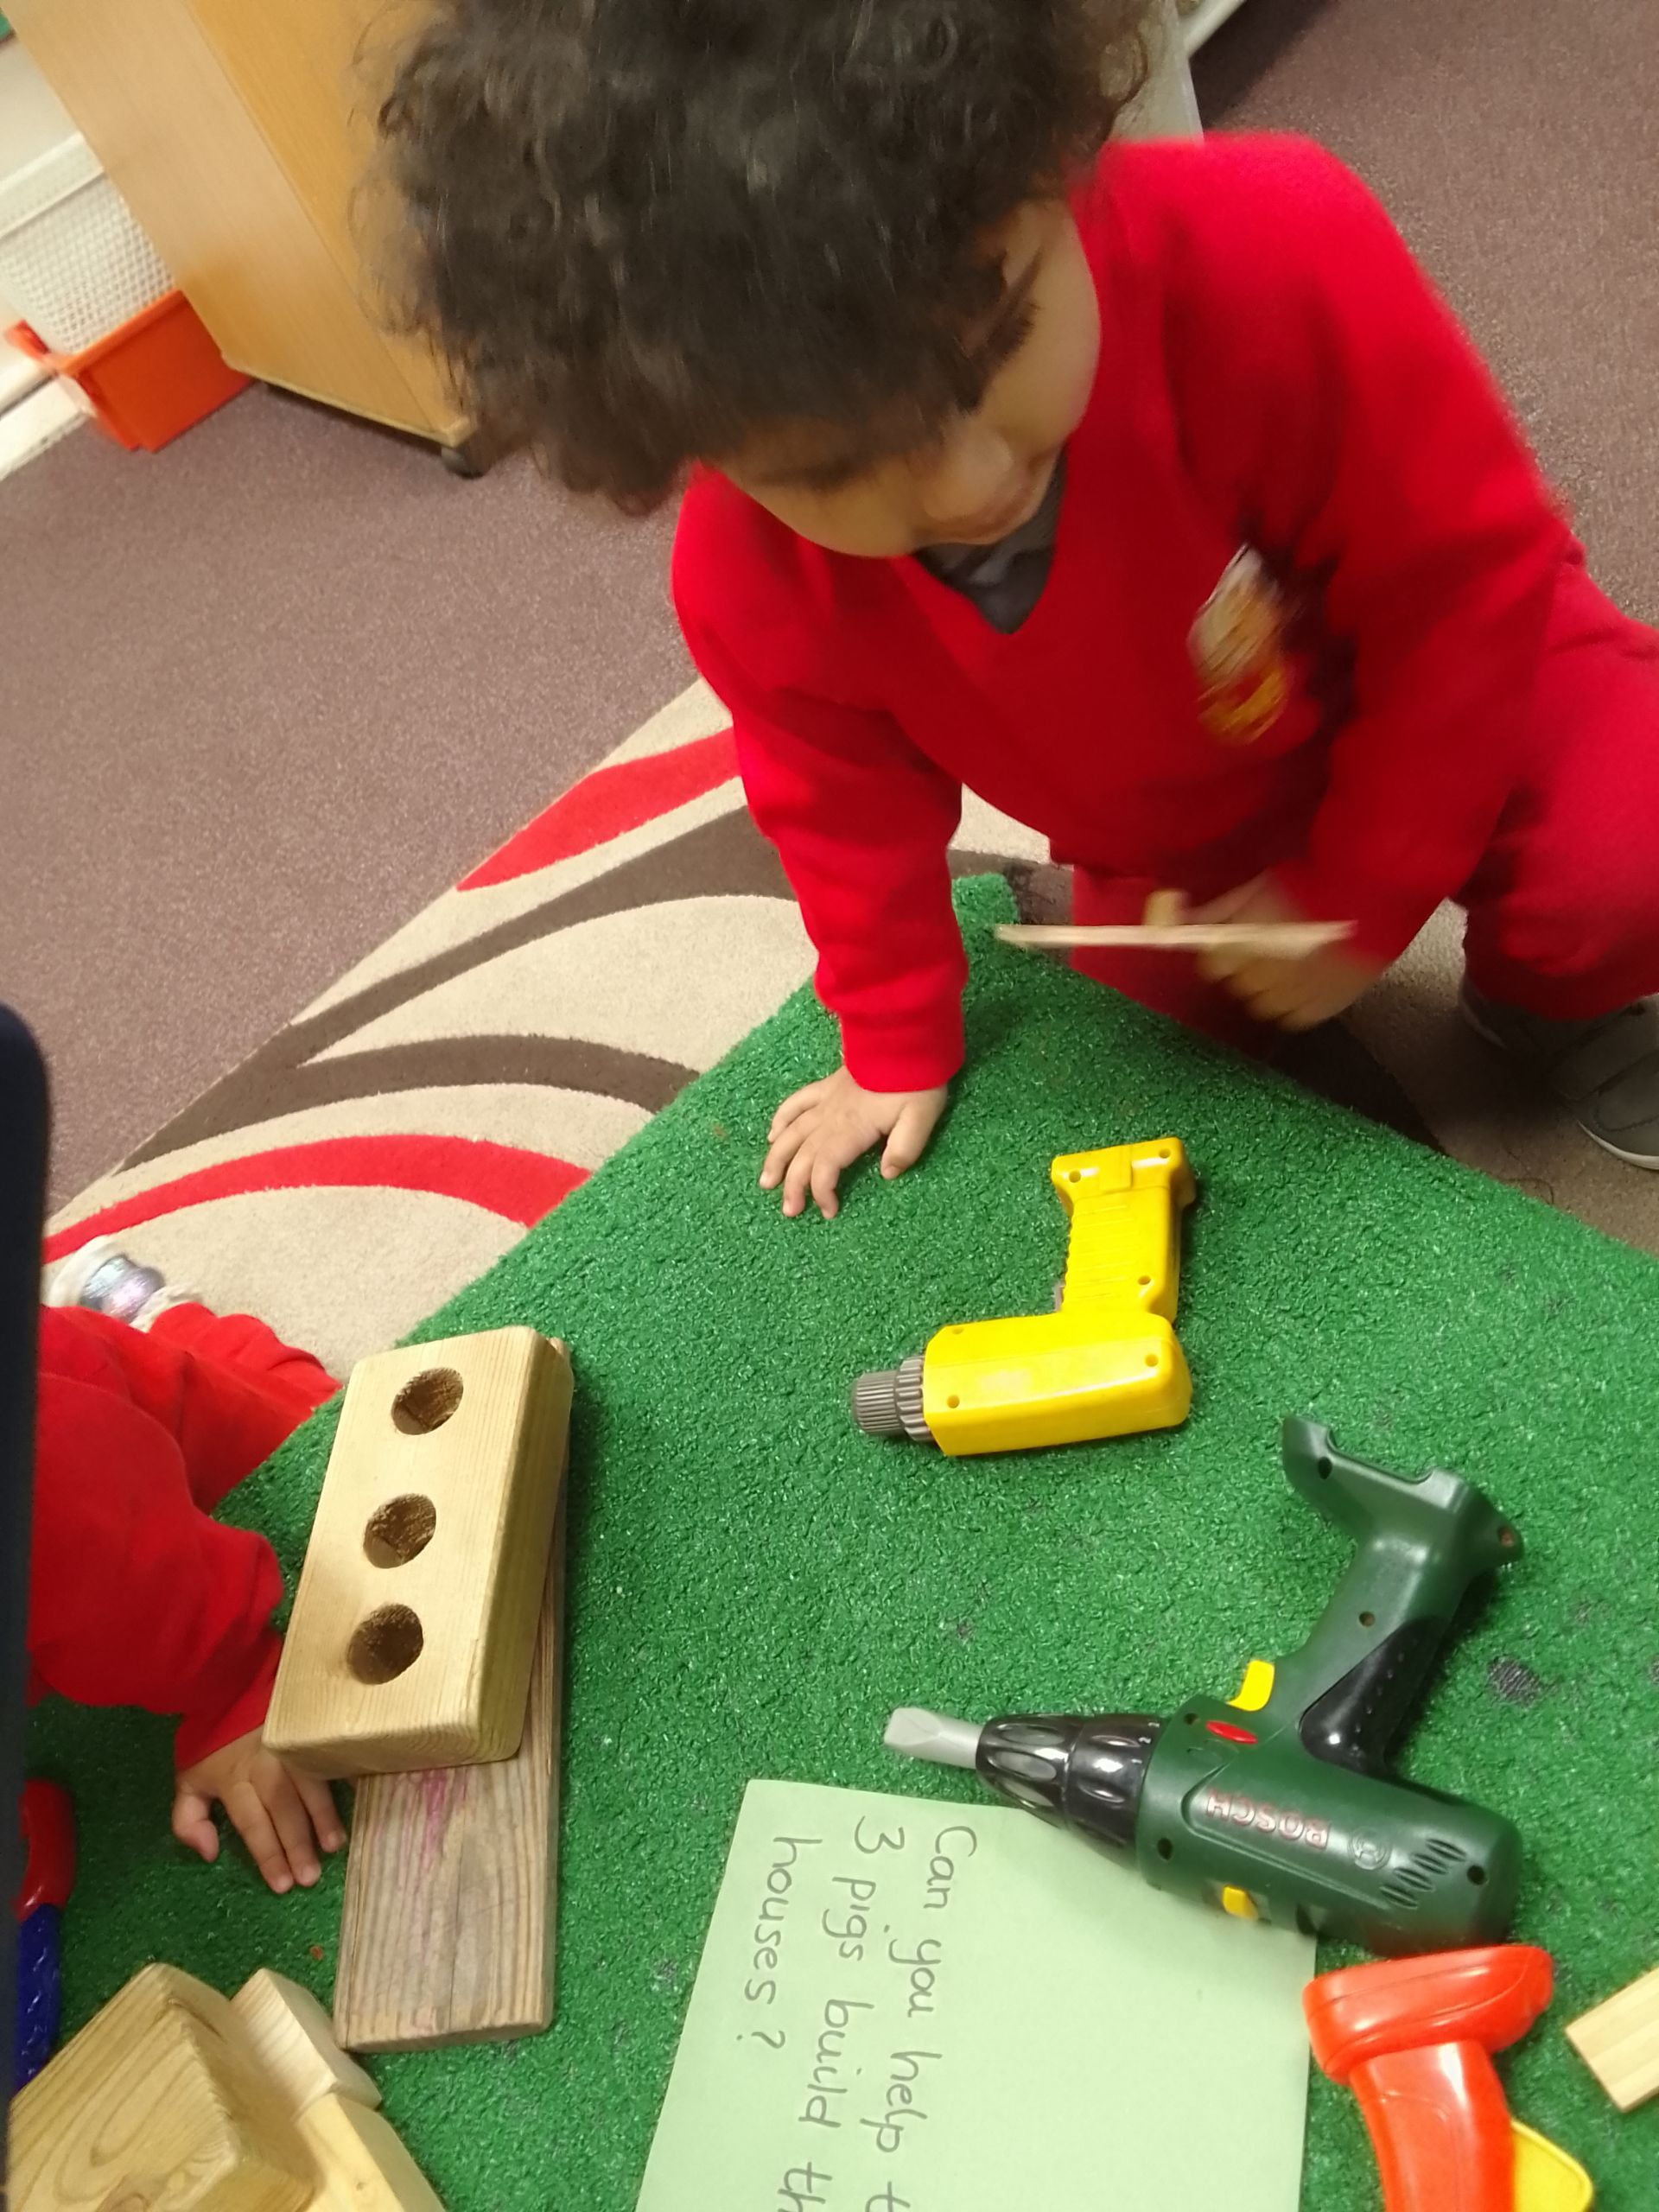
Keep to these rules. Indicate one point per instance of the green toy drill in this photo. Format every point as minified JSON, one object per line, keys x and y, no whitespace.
{"x":1278,"y":1806}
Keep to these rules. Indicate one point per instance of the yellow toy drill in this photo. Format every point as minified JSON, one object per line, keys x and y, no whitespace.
{"x":1104,"y":1362}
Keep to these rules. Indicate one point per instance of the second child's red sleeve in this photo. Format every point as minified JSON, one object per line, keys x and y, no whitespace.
{"x":136,"y":1597}
{"x":1329,"y":399}
{"x":862,"y":822}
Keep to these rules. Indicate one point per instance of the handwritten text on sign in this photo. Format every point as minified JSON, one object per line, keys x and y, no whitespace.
{"x":885,"y":1934}
{"x":892,"y":1988}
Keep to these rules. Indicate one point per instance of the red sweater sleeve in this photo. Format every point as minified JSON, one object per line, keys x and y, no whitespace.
{"x":861,"y":821}
{"x":1329,"y":397}
{"x":136,"y":1597}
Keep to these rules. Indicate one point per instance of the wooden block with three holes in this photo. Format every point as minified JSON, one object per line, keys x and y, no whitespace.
{"x":173,"y":2100}
{"x":1619,"y":2043}
{"x":418,"y":1606}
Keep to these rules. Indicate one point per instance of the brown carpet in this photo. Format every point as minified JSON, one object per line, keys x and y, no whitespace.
{"x":264,"y":695}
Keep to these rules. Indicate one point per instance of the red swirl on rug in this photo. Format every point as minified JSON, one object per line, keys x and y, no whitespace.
{"x":521,"y":1187}
{"x":608,"y":803}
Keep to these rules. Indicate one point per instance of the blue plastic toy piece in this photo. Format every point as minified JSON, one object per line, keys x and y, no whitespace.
{"x":39,"y":1992}
{"x":47,"y":1822}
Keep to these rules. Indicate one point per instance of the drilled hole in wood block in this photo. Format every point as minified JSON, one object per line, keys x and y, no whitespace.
{"x":386,"y":1645}
{"x":399,"y":1530}
{"x":426,"y":1401}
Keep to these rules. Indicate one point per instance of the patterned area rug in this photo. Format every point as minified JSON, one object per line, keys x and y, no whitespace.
{"x":387,"y":1146}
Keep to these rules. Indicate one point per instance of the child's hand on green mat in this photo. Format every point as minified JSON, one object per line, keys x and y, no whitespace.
{"x":1296,"y":994}
{"x":279,"y":1813}
{"x":824,"y":1128}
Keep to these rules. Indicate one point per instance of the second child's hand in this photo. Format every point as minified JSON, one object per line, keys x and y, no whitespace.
{"x":822,"y":1129}
{"x":1297,"y":994}
{"x":281,"y":1814}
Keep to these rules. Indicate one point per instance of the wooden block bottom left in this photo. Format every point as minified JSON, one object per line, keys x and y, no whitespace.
{"x":173,"y":2099}
{"x":156,"y":2106}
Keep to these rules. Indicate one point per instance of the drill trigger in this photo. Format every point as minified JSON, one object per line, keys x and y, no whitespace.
{"x":1257,"y":1687}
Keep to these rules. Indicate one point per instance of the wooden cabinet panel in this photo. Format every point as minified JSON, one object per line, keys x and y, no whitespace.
{"x":260,"y":242}
{"x":313,"y":74}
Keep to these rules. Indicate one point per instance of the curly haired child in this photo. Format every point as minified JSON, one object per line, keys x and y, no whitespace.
{"x":1150,"y":493}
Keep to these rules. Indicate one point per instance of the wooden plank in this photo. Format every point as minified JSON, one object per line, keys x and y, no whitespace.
{"x":363,"y":2165}
{"x":291,"y":2038}
{"x":1619,"y":2043}
{"x":415,"y":1618}
{"x":451,"y":1913}
{"x":157,"y":2102}
{"x":1281,"y":940}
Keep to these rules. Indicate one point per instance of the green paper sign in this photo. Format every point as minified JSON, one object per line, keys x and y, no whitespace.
{"x":910,"y":2005}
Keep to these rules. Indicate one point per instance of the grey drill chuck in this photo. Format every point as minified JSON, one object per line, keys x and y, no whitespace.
{"x":888,"y":1401}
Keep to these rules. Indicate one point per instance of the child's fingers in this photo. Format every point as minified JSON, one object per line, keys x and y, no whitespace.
{"x":797,"y":1180}
{"x":1222,"y":964}
{"x":292,"y":1821}
{"x":909,"y":1139}
{"x":784,"y":1149}
{"x":1288,"y":1001}
{"x":1251,"y":902}
{"x":252,"y":1823}
{"x":796,"y":1102}
{"x":1278,"y":1006}
{"x":319,"y":1800}
{"x":826,"y":1174}
{"x":1256,"y":979}
{"x":1322,"y":1003}
{"x":193,"y":1823}
{"x":1239,"y":965}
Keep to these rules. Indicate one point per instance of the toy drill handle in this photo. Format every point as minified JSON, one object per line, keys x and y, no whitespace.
{"x":1422,"y":1541}
{"x":1412,"y":2039}
{"x":1124,"y":1250}
{"x":1441,"y":2130}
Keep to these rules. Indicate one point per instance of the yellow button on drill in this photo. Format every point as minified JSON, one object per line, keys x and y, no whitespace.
{"x":1240,"y":1904}
{"x":1255,"y":1688}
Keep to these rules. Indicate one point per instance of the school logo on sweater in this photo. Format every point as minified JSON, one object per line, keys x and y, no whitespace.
{"x":1237,"y":645}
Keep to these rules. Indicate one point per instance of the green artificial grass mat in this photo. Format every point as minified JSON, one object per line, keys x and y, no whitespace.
{"x":753,"y":1584}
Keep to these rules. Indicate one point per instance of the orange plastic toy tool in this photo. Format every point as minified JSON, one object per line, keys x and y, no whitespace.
{"x":1413,"y":2039}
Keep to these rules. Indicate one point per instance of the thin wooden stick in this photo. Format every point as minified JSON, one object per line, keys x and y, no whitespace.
{"x":1285,"y":940}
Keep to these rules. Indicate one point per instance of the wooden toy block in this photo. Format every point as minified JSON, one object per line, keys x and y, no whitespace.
{"x":363,"y":2164}
{"x":1619,"y":2043}
{"x":414,"y":1621}
{"x":157,"y":2106}
{"x":451,"y":1915}
{"x":294,"y":2044}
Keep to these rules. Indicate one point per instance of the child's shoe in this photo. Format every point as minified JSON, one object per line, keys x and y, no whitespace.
{"x":105,"y":1280}
{"x":1606,"y":1072}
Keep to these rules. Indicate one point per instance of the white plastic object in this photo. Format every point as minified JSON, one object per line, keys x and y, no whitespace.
{"x":72,"y":260}
{"x":916,"y":1733}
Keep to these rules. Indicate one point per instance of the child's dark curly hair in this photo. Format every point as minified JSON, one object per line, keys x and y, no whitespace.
{"x":639,"y":230}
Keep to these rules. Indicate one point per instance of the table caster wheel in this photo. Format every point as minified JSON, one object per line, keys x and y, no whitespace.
{"x":461,"y":460}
